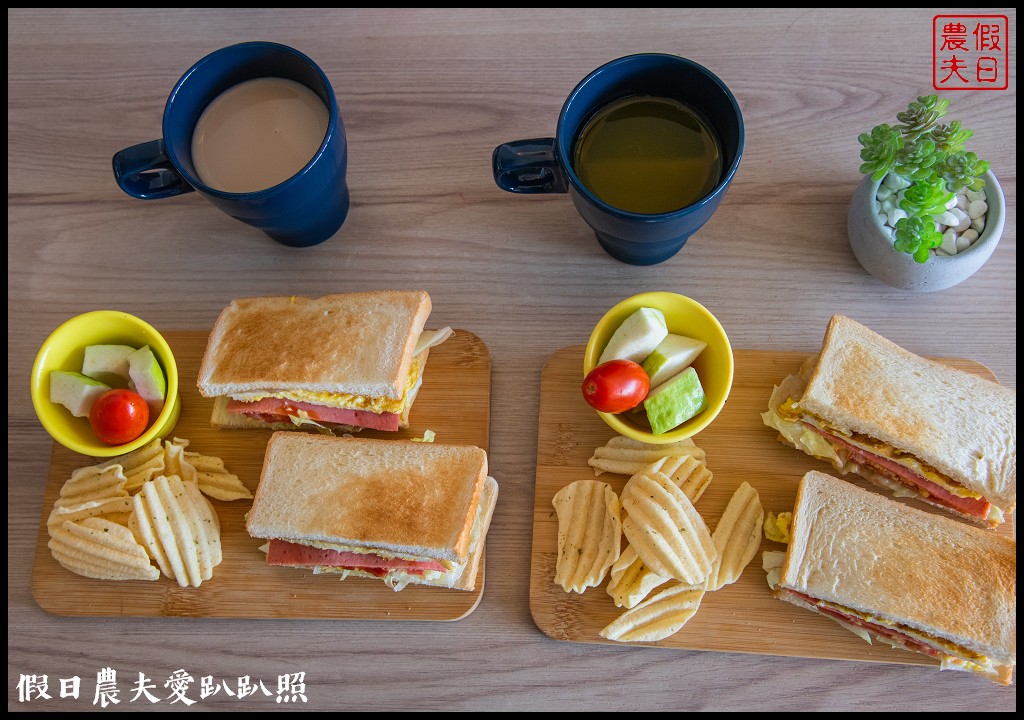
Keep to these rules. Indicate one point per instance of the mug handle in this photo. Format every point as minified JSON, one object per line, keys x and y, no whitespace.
{"x":528,"y":167}
{"x":144,"y":171}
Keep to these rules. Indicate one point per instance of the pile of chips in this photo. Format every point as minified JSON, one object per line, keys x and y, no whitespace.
{"x":667,"y":543}
{"x":114,"y":520}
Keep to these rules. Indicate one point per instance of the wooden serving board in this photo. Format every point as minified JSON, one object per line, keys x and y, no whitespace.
{"x":458,"y":375}
{"x":742,"y":617}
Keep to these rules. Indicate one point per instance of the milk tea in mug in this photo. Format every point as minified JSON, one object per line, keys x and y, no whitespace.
{"x":257,"y":134}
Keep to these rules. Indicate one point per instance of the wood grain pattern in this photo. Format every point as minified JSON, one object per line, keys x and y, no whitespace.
{"x":742,"y":617}
{"x":243,"y":585}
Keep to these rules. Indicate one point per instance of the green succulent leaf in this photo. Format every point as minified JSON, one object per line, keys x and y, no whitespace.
{"x":916,"y":160}
{"x":921,"y":116}
{"x":950,"y":138}
{"x":926,"y":198}
{"x":916,"y":236}
{"x":879,"y":152}
{"x":963,"y":169}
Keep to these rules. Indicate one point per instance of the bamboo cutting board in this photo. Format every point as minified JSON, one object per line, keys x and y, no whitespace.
{"x":457,"y":376}
{"x":742,"y":617}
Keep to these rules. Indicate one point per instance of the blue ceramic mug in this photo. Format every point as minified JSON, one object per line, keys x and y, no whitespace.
{"x":305,"y":209}
{"x":546,"y":165}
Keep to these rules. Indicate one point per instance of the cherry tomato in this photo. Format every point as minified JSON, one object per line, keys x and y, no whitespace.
{"x":119,"y":416}
{"x":616,"y":386}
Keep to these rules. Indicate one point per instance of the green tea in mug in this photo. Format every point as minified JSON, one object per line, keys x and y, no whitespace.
{"x":648,"y":155}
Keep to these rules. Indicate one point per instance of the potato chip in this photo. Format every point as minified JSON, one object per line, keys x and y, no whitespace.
{"x":97,"y":548}
{"x":690,"y":474}
{"x":138,"y":466}
{"x":630,"y":580}
{"x":174,"y":454}
{"x":626,"y":456}
{"x":112,"y":508}
{"x":665,"y":529}
{"x":92,"y":487}
{"x":177,"y":528}
{"x":737,"y":536}
{"x":214,"y":480}
{"x":589,"y":533}
{"x":657,"y":618}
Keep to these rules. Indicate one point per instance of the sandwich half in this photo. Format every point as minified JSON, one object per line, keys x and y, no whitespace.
{"x":910,"y":578}
{"x":347,"y":361}
{"x":401,"y":511}
{"x":906,"y":423}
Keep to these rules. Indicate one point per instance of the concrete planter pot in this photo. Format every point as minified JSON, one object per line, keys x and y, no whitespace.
{"x":871,"y":243}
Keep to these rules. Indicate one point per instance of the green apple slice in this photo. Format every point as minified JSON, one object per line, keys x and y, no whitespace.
{"x":671,"y":357}
{"x":674,"y":402}
{"x":636,"y":337}
{"x":75,"y":391}
{"x":107,"y":363}
{"x":147,"y":379}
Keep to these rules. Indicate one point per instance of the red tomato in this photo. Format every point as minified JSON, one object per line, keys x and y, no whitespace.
{"x":119,"y":416}
{"x":616,"y":386}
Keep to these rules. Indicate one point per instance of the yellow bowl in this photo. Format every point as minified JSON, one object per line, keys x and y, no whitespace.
{"x":64,"y":349}
{"x":714,"y":365}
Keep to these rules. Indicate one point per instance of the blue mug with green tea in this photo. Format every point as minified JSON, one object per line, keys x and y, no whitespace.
{"x":645,"y":145}
{"x":255,"y":129}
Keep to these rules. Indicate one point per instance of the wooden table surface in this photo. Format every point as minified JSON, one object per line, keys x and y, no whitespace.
{"x":426,"y":95}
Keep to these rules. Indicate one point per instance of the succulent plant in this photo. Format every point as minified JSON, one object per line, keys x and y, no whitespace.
{"x":929,"y":156}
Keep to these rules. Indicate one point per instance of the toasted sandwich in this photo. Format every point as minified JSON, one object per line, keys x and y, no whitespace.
{"x":401,"y":511}
{"x":906,"y":423}
{"x":911,"y":578}
{"x":347,"y":361}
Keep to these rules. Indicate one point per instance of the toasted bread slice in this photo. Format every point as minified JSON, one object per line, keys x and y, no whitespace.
{"x":354,"y":343}
{"x":396,"y":497}
{"x":910,"y":569}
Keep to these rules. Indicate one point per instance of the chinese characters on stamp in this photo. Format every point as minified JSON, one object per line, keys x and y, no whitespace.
{"x":970,"y":52}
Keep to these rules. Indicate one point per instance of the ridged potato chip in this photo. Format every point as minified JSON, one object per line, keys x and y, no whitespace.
{"x":657,"y":618}
{"x":631,"y":580}
{"x":690,"y":474}
{"x":665,"y":529}
{"x":114,"y":509}
{"x":137,"y":467}
{"x":95,"y":486}
{"x":626,"y":456}
{"x":737,"y":536}
{"x":589,"y":533}
{"x":98,"y":548}
{"x":175,"y":523}
{"x":214,"y":480}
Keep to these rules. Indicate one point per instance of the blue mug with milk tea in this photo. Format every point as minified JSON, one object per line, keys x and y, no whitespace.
{"x":645,"y":145}
{"x":255,"y":129}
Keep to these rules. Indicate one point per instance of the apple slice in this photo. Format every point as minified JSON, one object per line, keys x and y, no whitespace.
{"x":147,"y":379}
{"x":75,"y":391}
{"x":107,"y":363}
{"x":636,"y":337}
{"x":671,"y":357}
